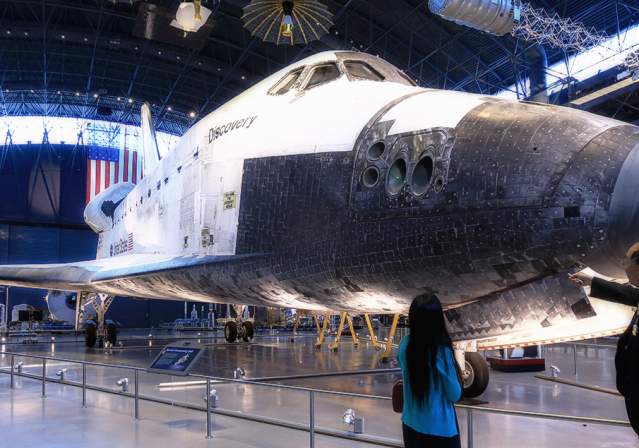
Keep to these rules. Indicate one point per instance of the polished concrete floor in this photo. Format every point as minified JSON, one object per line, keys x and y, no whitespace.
{"x":61,"y":420}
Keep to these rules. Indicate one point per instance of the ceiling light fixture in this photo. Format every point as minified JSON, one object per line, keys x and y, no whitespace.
{"x":191,"y":16}
{"x":290,"y":22}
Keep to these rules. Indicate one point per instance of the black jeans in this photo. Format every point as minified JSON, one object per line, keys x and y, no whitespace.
{"x":414,"y":439}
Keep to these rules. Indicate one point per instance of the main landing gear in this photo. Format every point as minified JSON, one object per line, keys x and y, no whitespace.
{"x":238,"y":328}
{"x":97,"y":331}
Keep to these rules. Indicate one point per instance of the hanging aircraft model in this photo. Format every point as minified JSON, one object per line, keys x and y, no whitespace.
{"x":336,"y":184}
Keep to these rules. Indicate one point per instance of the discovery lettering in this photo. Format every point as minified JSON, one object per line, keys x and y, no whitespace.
{"x":218,"y":131}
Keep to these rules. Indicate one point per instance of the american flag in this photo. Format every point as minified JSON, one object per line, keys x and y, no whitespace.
{"x":107,"y":166}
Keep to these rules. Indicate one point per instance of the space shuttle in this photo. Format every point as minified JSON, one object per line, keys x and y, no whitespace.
{"x":338,"y":185}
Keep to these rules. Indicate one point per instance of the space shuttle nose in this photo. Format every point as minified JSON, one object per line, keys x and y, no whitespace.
{"x":623,"y":218}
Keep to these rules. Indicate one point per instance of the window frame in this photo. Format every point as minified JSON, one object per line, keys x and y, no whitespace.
{"x":275,"y":89}
{"x":406,"y":77}
{"x":354,"y":77}
{"x":311,"y":70}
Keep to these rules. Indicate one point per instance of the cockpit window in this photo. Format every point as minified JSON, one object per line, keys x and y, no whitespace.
{"x":322,"y":74}
{"x":361,"y":70}
{"x":287,"y":82}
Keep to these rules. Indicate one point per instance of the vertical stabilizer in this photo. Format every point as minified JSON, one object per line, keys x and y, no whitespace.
{"x":150,"y":150}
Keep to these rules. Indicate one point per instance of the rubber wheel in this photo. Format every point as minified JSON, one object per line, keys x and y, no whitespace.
{"x":230,"y":331}
{"x":112,"y":334}
{"x":475,"y":376}
{"x":90,"y":335}
{"x":248,"y":332}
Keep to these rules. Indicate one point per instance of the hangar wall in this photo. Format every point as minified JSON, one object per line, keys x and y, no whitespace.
{"x":42,"y":198}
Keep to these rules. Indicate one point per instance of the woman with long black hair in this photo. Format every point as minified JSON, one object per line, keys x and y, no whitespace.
{"x":431,"y":378}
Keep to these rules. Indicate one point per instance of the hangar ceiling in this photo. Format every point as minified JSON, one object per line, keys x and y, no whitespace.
{"x":86,"y":58}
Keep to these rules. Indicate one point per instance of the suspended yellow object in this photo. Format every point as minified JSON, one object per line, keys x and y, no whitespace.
{"x":286,"y":28}
{"x":198,"y":9}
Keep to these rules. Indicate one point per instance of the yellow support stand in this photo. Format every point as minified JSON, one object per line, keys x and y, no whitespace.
{"x":389,"y":341}
{"x":322,"y":331}
{"x":371,"y":333}
{"x":353,"y":334}
{"x":334,"y":346}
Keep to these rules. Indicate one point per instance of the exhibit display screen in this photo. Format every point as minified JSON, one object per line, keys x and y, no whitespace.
{"x":176,"y":360}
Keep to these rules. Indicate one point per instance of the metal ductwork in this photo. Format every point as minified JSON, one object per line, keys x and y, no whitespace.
{"x":492,"y":16}
{"x":537,"y":62}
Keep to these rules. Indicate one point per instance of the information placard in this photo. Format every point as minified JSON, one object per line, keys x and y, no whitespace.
{"x":177,"y":358}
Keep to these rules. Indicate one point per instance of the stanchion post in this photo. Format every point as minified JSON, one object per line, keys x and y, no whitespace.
{"x":209,"y":424}
{"x":13,"y":361}
{"x":574,"y":354}
{"x":44,"y":377}
{"x":311,"y":418}
{"x":136,"y":392}
{"x":469,"y":415}
{"x":84,"y":385}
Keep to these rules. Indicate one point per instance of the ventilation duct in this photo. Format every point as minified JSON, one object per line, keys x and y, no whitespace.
{"x":492,"y":16}
{"x":537,"y":68}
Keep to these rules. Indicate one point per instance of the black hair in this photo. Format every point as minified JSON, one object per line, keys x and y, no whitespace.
{"x":427,"y":334}
{"x":634,"y":257}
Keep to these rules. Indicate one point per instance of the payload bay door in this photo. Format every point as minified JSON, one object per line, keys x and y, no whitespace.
{"x":221,"y":183}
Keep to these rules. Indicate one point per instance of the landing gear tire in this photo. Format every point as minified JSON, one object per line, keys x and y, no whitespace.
{"x":90,"y":335}
{"x":112,"y":334}
{"x":475,"y":375}
{"x":247,"y":331}
{"x":230,"y":331}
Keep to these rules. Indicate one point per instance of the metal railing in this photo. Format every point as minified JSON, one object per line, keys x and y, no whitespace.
{"x":311,"y":428}
{"x":574,"y":346}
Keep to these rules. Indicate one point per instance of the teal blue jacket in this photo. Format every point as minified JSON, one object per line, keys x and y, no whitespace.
{"x":437,"y":414}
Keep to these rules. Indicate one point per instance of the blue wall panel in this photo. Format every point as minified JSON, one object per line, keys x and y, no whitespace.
{"x":27,"y":244}
{"x":77,"y":245}
{"x":16,"y":182}
{"x":4,"y":244}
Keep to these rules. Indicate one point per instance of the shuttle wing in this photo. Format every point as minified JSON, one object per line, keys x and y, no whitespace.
{"x":101,"y":275}
{"x":549,"y":310}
